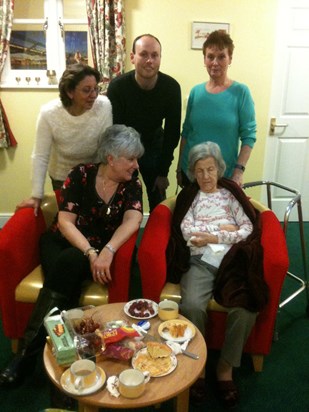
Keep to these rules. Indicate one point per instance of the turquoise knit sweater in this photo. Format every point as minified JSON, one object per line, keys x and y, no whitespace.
{"x":226,"y":118}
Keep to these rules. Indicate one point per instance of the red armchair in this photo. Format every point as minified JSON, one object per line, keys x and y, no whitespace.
{"x":21,"y":275}
{"x":152,"y":263}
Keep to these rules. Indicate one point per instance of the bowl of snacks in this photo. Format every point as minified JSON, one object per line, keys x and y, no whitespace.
{"x":85,"y":325}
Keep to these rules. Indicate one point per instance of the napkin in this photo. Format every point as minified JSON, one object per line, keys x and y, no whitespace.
{"x":112,"y":385}
{"x":176,"y":347}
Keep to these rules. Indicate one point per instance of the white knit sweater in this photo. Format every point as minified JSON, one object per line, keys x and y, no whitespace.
{"x":63,"y":140}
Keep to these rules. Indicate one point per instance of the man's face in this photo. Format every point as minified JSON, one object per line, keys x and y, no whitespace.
{"x":147,"y":58}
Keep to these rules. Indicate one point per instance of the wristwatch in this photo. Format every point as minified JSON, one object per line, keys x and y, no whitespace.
{"x":240,"y":167}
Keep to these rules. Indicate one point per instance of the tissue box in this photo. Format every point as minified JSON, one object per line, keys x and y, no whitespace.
{"x":63,"y":345}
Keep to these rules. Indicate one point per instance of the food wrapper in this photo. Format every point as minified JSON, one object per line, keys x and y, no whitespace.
{"x":121,"y":343}
{"x":63,"y":345}
{"x":123,"y":350}
{"x":118,"y":334}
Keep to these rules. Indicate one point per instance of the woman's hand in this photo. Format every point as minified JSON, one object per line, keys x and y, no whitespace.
{"x":32,"y":202}
{"x":100,"y":266}
{"x":229,"y":228}
{"x":179,"y":178}
{"x":200,"y":239}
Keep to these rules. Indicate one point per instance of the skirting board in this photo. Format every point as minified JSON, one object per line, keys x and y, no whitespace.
{"x":5,"y":217}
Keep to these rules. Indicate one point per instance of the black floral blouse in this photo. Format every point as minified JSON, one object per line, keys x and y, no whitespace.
{"x":95,"y":219}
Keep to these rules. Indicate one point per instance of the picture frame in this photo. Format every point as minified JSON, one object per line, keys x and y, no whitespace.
{"x":201,"y":30}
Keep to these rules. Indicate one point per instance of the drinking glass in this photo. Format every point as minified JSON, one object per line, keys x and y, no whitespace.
{"x":28,"y":79}
{"x":18,"y":79}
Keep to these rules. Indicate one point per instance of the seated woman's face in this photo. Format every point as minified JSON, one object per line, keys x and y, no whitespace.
{"x":206,"y":174}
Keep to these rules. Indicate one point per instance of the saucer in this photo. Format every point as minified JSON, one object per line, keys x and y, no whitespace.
{"x":67,"y":385}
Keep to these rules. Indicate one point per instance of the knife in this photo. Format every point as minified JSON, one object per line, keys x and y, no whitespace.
{"x":155,"y":339}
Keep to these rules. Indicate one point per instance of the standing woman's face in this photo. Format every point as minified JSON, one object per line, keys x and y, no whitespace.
{"x":84,"y":95}
{"x":217,"y":62}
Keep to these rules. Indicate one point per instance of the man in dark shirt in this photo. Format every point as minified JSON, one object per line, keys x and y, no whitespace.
{"x":150,"y":102}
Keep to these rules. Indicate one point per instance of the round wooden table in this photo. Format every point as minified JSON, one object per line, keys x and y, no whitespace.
{"x":175,"y":385}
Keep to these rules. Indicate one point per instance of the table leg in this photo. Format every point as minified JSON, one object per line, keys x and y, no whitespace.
{"x":82,"y":407}
{"x":182,"y":402}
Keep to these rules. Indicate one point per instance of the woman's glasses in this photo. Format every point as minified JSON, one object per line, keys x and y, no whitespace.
{"x":87,"y":91}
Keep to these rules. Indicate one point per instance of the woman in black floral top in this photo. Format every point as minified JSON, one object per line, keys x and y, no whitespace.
{"x":100,"y":208}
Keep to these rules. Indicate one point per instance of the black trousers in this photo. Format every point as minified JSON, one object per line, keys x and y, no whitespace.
{"x":65,"y":267}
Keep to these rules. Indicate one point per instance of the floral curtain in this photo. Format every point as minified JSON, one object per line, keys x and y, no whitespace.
{"x":6,"y":17}
{"x":106,"y":29}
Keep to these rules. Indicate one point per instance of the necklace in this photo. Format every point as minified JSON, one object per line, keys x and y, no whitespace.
{"x":108,"y":210}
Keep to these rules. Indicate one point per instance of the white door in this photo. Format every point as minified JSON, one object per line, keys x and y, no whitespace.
{"x":287,"y":149}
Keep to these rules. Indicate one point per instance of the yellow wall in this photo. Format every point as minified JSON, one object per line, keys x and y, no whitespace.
{"x":252,"y":29}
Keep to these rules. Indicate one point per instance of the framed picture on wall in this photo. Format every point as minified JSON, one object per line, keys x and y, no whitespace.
{"x":201,"y":30}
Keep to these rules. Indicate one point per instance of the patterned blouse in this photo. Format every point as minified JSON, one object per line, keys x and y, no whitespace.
{"x":96,"y":220}
{"x":207,"y":212}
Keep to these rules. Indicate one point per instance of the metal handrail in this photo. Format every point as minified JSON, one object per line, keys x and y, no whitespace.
{"x":296,"y":200}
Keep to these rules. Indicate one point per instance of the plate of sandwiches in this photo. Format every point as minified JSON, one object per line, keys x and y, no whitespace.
{"x":177,"y":330}
{"x":156,"y":358}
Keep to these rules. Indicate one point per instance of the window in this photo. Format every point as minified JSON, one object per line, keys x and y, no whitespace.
{"x":47,"y":35}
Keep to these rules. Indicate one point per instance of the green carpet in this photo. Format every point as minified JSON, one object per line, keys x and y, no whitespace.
{"x":283,"y":386}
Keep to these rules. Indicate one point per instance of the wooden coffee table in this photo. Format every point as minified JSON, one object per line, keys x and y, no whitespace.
{"x":175,"y":385}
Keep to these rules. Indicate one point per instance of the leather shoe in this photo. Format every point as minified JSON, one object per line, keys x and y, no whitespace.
{"x":198,"y":392}
{"x":14,"y":373}
{"x":228,"y":393}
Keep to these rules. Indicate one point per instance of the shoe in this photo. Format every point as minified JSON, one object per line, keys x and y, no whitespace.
{"x":14,"y":373}
{"x":198,"y":392}
{"x":228,"y":393}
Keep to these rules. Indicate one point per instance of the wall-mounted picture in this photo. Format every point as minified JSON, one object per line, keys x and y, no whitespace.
{"x":201,"y":30}
{"x":28,"y":50}
{"x":76,"y":48}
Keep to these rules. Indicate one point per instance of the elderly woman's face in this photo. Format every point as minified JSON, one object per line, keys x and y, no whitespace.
{"x":206,"y":174}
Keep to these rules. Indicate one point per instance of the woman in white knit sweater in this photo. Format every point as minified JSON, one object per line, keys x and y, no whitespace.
{"x":68,"y":130}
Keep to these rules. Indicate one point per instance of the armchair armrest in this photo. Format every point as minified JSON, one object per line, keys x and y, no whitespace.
{"x":19,"y":255}
{"x":151,"y":252}
{"x":118,"y":290}
{"x":276,"y":265}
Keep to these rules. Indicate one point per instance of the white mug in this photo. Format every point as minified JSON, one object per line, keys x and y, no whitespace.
{"x":83,"y":374}
{"x":168,"y":309}
{"x":132,"y":383}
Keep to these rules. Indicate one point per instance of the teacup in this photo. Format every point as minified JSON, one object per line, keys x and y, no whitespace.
{"x":168,"y":309}
{"x":83,"y":374}
{"x":132,"y":383}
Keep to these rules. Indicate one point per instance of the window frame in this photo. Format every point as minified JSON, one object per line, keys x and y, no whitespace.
{"x":55,"y":47}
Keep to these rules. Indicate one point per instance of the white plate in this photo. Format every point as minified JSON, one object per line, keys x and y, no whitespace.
{"x":189,"y":332}
{"x":154,"y":306}
{"x":67,"y":385}
{"x":144,"y":351}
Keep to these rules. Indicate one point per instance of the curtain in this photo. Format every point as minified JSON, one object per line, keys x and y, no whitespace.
{"x":6,"y":17}
{"x":106,"y":28}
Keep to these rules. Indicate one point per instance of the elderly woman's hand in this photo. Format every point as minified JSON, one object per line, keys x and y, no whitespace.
{"x":229,"y":228}
{"x":100,"y":266}
{"x":202,"y":239}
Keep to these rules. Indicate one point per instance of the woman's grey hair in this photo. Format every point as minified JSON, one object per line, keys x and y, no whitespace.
{"x":71,"y":77}
{"x":203,"y":151}
{"x":119,"y":140}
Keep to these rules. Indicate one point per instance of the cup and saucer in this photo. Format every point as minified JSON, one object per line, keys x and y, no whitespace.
{"x":75,"y":382}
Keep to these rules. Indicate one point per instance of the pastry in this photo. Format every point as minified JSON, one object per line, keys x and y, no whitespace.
{"x":158,"y":350}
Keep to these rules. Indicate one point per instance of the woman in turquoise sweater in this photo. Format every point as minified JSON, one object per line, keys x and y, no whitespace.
{"x":220,"y":110}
